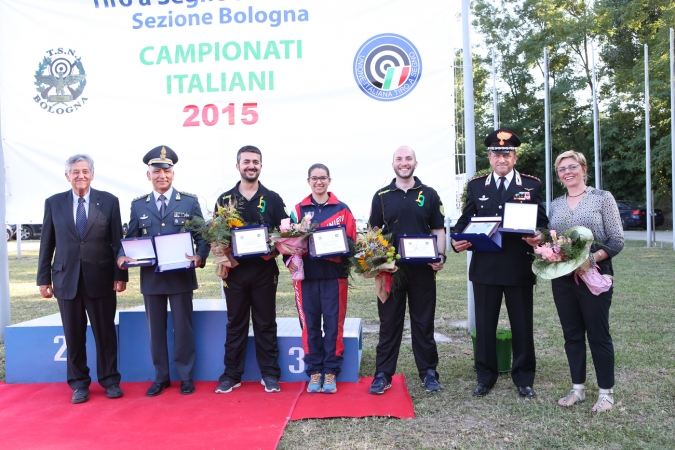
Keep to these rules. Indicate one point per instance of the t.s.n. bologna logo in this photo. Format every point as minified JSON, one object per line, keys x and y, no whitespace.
{"x":387,"y":67}
{"x":60,"y":80}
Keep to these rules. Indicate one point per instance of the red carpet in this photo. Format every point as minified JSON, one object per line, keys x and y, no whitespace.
{"x":41,"y":416}
{"x":353,"y":400}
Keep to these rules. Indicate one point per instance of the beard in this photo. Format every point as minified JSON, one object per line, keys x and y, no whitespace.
{"x":405,"y":177}
{"x":250,"y":178}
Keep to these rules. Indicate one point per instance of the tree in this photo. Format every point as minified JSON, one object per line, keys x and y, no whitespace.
{"x":519,"y":30}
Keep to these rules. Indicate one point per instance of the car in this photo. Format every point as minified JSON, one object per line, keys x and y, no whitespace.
{"x":634,"y":214}
{"x":10,"y":232}
{"x":361,"y":225}
{"x":29,"y":230}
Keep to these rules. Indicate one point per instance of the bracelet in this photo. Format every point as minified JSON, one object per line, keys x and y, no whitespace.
{"x":442,"y":256}
{"x":591,"y":257}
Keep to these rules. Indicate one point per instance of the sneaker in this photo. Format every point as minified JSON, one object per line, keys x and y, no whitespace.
{"x":379,"y":384}
{"x":430,"y":382}
{"x":314,"y":385}
{"x":329,"y":384}
{"x":226,"y":386}
{"x":271,"y":384}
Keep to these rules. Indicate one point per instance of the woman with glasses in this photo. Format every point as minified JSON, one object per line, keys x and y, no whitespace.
{"x":583,"y":313}
{"x":323,"y":292}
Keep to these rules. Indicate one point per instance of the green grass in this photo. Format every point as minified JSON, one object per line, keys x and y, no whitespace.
{"x":643,"y":328}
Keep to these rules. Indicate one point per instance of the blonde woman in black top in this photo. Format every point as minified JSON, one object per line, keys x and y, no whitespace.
{"x":582,"y":313}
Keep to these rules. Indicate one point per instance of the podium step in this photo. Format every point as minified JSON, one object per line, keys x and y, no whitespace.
{"x":35,"y":351}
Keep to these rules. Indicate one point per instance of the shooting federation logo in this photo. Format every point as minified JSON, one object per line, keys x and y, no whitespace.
{"x":60,"y":80}
{"x":387,"y":67}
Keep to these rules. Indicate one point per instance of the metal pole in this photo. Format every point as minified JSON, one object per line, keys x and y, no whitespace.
{"x":495,"y":99}
{"x":547,"y":133}
{"x":648,"y":162}
{"x":5,"y":317}
{"x":596,"y":128}
{"x":469,"y":142}
{"x":18,"y":240}
{"x":672,"y":121}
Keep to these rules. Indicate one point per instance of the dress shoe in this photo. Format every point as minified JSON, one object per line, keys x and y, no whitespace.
{"x":156,"y":388}
{"x":187,"y":387}
{"x":80,"y":395}
{"x":481,"y":390}
{"x":113,"y":391}
{"x":526,"y":391}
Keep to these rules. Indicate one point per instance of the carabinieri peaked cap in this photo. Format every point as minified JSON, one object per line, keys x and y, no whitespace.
{"x":502,"y":141}
{"x":161,"y":156}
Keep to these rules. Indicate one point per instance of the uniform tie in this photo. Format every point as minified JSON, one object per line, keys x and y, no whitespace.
{"x":162,"y":208}
{"x":502,"y":187}
{"x":81,"y":218}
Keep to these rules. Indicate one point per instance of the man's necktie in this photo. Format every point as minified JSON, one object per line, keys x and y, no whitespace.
{"x":502,"y":187}
{"x":81,"y":218}
{"x":162,"y":208}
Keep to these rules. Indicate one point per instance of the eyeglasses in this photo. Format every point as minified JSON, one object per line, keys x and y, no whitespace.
{"x":315,"y":179}
{"x":571,"y":167}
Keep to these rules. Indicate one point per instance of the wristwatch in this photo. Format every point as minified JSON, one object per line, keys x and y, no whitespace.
{"x":442,"y":255}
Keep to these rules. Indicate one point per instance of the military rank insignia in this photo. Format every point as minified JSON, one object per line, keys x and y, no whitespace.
{"x":522,"y":196}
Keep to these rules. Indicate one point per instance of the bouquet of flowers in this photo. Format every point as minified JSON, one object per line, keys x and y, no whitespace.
{"x":218,"y":233}
{"x":375,"y":258}
{"x":560,"y":254}
{"x":291,"y":239}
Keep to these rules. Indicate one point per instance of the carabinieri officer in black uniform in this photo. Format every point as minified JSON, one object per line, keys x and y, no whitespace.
{"x":251,"y":286}
{"x":165,"y":210}
{"x":410,"y":207}
{"x":509,"y":272}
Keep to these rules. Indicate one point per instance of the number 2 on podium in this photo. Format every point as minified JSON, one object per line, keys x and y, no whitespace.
{"x":62,"y":351}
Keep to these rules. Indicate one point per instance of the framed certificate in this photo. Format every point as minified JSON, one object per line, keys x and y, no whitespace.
{"x":483,"y":233}
{"x":418,"y":248}
{"x":486,"y":228}
{"x":171,"y":250}
{"x":327,"y":242}
{"x":520,"y":218}
{"x":250,"y":241}
{"x":140,"y":249}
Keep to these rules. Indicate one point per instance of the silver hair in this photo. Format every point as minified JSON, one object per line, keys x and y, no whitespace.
{"x":70,"y":162}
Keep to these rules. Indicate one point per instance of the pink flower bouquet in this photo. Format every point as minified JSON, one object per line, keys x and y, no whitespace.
{"x":561,"y":253}
{"x":291,"y":239}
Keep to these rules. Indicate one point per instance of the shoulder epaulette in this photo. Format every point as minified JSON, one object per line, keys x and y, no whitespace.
{"x":140,"y":197}
{"x":480,"y":176}
{"x":187,"y":194}
{"x":530,"y":176}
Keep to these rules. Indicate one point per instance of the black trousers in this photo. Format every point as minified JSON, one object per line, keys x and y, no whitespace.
{"x":101,"y":312}
{"x":583,"y":314}
{"x":251,"y":291}
{"x":519,"y":305}
{"x":183,"y":337}
{"x":419,"y":286}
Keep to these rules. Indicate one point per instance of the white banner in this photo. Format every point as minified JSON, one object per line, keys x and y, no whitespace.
{"x":339,"y":83}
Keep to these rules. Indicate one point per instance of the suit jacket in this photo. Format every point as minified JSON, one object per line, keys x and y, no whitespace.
{"x":513,"y":265}
{"x":95,"y":255}
{"x":146,"y":221}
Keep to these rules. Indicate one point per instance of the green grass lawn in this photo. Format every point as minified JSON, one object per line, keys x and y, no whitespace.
{"x":643,"y":328}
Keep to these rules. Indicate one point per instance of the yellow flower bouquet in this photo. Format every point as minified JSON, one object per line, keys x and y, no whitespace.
{"x":374,"y":257}
{"x":218,"y":233}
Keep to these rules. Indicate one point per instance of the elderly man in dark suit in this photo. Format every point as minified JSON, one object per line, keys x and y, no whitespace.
{"x":83,"y":226}
{"x":507,"y":273}
{"x":162,"y":211}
